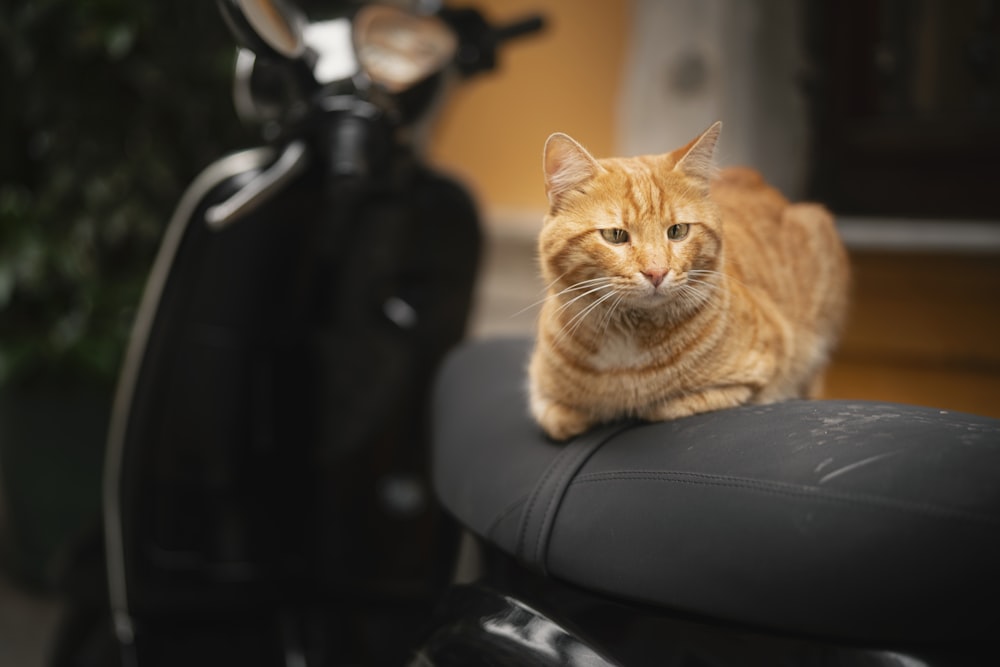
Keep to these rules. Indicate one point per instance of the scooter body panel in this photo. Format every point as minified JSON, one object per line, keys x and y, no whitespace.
{"x":514,"y":617}
{"x":269,"y":441}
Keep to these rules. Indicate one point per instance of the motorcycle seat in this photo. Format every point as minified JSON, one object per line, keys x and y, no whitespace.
{"x":846,"y":519}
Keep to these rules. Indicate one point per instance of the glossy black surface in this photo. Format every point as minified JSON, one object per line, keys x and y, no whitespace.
{"x":479,"y":626}
{"x":513,"y":617}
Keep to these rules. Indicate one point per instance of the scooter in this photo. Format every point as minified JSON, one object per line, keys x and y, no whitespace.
{"x":266,"y":494}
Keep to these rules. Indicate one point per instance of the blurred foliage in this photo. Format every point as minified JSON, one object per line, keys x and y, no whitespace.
{"x":107,"y":109}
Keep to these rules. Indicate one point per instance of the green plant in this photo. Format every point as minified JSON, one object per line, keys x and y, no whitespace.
{"x":108,"y":108}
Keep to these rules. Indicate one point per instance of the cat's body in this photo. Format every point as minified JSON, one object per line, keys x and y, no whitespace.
{"x":673,"y":291}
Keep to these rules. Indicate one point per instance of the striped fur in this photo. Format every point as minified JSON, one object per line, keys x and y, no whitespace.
{"x":745,"y":308}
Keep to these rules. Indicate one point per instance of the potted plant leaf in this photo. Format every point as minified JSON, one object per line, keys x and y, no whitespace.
{"x":107,"y":110}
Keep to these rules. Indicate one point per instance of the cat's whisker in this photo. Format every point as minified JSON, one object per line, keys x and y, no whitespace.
{"x":584,"y":284}
{"x":552,"y":284}
{"x":700,"y":274}
{"x":610,"y":314}
{"x":590,"y":291}
{"x":577,"y":319}
{"x":702,"y":286}
{"x":575,"y":287}
{"x":587,"y":311}
{"x":720,"y":274}
{"x":693,"y":296}
{"x":544,"y":290}
{"x":703,"y":292}
{"x":606,"y":319}
{"x":570,"y":327}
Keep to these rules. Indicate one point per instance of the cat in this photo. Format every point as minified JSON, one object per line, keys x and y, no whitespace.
{"x":676,"y":289}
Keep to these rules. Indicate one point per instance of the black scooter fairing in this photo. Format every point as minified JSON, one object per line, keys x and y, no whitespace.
{"x":855,"y":522}
{"x":520,"y":618}
{"x":267,"y":458}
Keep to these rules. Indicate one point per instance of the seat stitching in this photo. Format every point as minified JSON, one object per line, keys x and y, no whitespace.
{"x":778,"y":488}
{"x":526,"y":518}
{"x":562,"y":469}
{"x":567,"y":467}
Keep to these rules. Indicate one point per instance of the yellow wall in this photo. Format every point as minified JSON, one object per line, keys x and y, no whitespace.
{"x":565,"y":79}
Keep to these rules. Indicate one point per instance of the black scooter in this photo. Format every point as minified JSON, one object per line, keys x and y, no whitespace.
{"x":266,"y":485}
{"x":267,"y":500}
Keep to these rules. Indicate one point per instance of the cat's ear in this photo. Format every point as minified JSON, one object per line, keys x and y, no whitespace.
{"x":567,"y":166}
{"x":698,"y":156}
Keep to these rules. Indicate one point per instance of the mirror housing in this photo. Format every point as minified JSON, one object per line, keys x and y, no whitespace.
{"x":269,"y":28}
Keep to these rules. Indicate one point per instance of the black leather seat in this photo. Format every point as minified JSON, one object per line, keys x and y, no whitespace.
{"x":838,"y":518}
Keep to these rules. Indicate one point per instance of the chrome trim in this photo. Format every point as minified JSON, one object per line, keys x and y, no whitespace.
{"x":293,"y":161}
{"x":227,"y":167}
{"x":246,"y":108}
{"x":275,"y":23}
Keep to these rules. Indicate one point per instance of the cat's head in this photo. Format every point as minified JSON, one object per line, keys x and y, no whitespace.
{"x":643,"y":228}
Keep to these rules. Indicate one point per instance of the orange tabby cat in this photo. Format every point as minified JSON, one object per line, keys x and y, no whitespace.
{"x":674,"y":290}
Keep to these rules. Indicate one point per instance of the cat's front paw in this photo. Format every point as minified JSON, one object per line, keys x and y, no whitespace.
{"x":560,"y":422}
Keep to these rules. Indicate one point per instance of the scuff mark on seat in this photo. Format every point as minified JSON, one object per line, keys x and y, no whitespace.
{"x":854,"y":466}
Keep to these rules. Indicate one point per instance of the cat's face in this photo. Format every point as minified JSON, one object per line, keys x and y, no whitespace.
{"x":636,"y":231}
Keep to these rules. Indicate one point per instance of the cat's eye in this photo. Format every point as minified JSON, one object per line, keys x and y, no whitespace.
{"x":678,"y":231}
{"x":615,"y":236}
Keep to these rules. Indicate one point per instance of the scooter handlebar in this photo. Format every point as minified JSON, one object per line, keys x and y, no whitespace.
{"x":478,"y":40}
{"x":526,"y":26}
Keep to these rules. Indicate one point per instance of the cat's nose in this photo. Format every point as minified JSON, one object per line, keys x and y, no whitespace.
{"x":655,"y":276}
